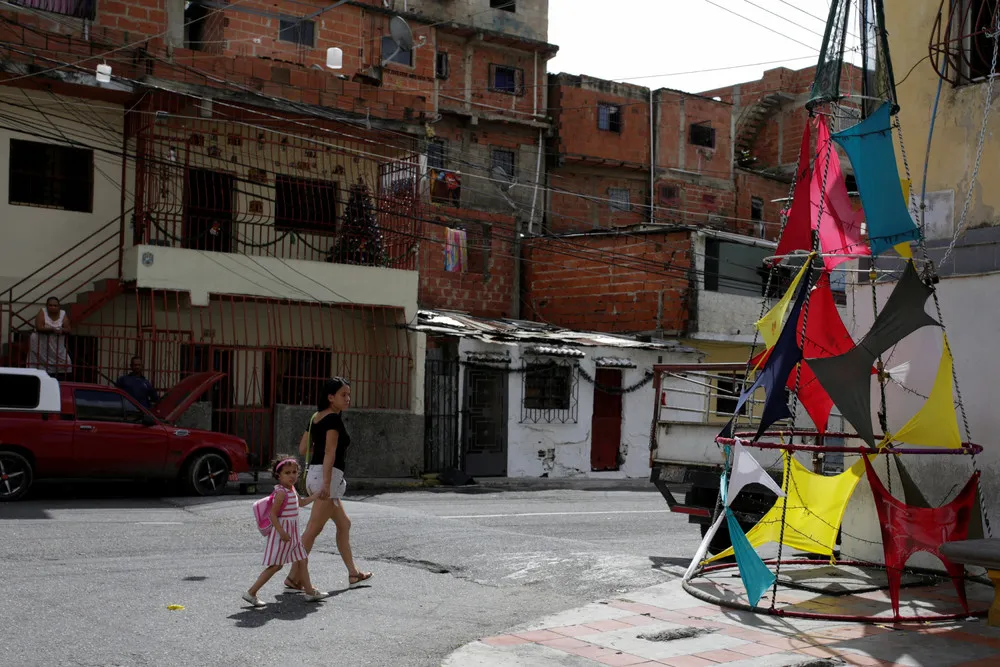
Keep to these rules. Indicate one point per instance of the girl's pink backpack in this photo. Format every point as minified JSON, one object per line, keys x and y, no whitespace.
{"x":262,"y":514}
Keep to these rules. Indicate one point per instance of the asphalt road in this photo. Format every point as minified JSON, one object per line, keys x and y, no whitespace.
{"x":88,"y":581}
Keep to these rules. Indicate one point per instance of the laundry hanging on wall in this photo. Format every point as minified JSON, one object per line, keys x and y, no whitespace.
{"x":456,"y":252}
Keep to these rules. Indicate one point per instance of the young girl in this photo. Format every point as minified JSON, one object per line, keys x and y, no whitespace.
{"x":283,"y":545}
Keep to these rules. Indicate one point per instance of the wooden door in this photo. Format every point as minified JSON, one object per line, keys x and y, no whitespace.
{"x":606,"y":423}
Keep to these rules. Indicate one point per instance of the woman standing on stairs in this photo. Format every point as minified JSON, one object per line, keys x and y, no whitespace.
{"x":48,"y":341}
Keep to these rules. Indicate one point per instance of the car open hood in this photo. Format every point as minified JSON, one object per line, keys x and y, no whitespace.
{"x":173,"y":404}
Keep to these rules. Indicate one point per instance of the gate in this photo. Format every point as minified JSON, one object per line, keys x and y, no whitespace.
{"x":441,"y":450}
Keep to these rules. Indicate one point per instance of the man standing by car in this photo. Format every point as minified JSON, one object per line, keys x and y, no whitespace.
{"x":137,"y":386}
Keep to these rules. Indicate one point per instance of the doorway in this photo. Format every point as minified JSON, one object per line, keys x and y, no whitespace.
{"x":441,"y":409}
{"x":484,"y":423}
{"x":208,"y":210}
{"x":606,"y":422}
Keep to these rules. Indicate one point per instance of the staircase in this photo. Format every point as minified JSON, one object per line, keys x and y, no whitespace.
{"x":77,"y":276}
{"x":754,"y":117}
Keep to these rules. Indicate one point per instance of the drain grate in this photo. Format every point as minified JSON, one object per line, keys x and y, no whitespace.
{"x":820,"y":662}
{"x":679,"y":633}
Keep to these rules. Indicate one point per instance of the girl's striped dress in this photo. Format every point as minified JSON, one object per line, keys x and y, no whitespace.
{"x":277,"y":552}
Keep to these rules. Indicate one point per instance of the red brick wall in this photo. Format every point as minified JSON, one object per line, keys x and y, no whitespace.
{"x":677,"y":112}
{"x":574,"y":111}
{"x":586,"y":209}
{"x":488,"y":293}
{"x":779,"y":139}
{"x":750,"y":185}
{"x":584,"y":283}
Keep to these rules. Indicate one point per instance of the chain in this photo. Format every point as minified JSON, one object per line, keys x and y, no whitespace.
{"x":647,"y":378}
{"x":964,"y":221}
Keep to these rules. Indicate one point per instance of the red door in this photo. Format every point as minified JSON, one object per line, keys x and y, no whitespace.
{"x":110,"y":439}
{"x":606,"y":425}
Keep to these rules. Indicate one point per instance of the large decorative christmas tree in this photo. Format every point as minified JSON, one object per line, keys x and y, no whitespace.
{"x":360,"y":240}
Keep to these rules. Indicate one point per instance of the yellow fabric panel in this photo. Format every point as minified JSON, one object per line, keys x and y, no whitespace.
{"x":770,"y":325}
{"x":935,"y":424}
{"x":816,"y":505}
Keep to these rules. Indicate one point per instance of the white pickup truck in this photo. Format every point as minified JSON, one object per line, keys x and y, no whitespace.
{"x":693,"y":404}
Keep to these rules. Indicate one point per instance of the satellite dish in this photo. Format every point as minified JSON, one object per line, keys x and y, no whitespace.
{"x":401,"y":33}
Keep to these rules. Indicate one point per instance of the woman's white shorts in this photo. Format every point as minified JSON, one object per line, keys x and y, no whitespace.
{"x":314,"y":481}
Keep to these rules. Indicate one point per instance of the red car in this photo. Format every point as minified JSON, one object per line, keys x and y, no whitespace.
{"x":68,"y":430}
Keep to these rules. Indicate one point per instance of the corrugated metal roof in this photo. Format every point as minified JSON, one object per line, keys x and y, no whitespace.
{"x":448,"y":323}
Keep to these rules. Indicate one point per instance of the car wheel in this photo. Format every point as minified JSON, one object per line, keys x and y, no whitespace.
{"x":208,"y":474}
{"x":16,"y":475}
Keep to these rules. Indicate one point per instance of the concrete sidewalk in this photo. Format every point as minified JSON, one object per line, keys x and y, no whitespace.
{"x":664,"y":625}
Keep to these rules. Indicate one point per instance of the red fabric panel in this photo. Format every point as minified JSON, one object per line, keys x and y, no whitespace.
{"x":907,"y":530}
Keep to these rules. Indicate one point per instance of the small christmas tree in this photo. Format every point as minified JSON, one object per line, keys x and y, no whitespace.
{"x":360,"y":240}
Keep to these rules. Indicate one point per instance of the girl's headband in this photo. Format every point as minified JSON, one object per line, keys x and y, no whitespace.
{"x":281,"y":464}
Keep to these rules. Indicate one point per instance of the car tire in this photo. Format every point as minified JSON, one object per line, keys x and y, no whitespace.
{"x":16,"y":475}
{"x":207,"y":474}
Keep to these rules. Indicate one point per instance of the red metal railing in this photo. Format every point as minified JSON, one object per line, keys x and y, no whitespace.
{"x":961,"y":46}
{"x":239,"y":186}
{"x":276,"y":353}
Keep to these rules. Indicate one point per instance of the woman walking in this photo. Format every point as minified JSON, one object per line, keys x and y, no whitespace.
{"x":325,"y":478}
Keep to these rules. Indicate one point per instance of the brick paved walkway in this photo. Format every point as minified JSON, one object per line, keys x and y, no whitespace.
{"x":664,"y":625}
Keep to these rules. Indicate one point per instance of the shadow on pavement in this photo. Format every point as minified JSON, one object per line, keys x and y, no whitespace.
{"x":287,"y":607}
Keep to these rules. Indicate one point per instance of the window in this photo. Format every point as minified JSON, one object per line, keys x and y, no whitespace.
{"x":547,"y":387}
{"x":51,"y":176}
{"x":978,"y":46}
{"x":389,"y":47}
{"x":435,"y":155}
{"x":102,"y":406}
{"x":19,"y":392}
{"x":478,"y":239}
{"x":305,"y":205}
{"x":620,"y":199}
{"x":502,"y":160}
{"x":505,"y":5}
{"x":441,"y":66}
{"x":669,"y":194}
{"x":702,"y":135}
{"x":81,"y":9}
{"x":196,"y":19}
{"x":297,"y":31}
{"x":609,"y":117}
{"x":732,"y":268}
{"x":506,"y":79}
{"x":756,"y":209}
{"x":133,"y":413}
{"x":727,"y":396}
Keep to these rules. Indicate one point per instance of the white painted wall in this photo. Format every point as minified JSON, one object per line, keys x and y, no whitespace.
{"x":36,"y":237}
{"x":566,"y":447}
{"x":972,"y":319}
{"x":202,"y":273}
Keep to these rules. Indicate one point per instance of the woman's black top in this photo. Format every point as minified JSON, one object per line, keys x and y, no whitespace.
{"x":332,"y":422}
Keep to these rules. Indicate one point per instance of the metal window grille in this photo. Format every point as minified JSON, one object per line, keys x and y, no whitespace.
{"x":609,"y":117}
{"x":51,"y":176}
{"x":81,"y":9}
{"x":209,"y":184}
{"x":436,"y":153}
{"x":506,"y":79}
{"x":275,"y":352}
{"x":551,"y":393}
{"x":620,"y":200}
{"x":505,"y":5}
{"x":960,"y":46}
{"x":701,"y":135}
{"x":442,"y":69}
{"x":505,"y":160}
